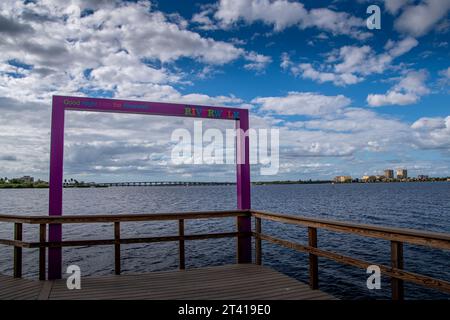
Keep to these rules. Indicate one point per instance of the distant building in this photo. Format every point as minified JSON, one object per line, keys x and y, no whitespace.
{"x":27,"y":179}
{"x":389,"y":174}
{"x":369,"y":178}
{"x":402,"y":174}
{"x":422,"y":177}
{"x":343,"y":179}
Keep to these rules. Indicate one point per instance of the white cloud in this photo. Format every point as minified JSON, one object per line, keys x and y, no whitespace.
{"x":432,"y":133}
{"x":391,"y":98}
{"x":408,"y":91}
{"x":285,"y":61}
{"x":203,"y":99}
{"x":203,"y":20}
{"x":303,"y":103}
{"x":282,"y":14}
{"x":307,"y":71}
{"x":121,"y":67}
{"x":257,"y":62}
{"x":151,"y":35}
{"x":363,"y":60}
{"x":444,"y":79}
{"x":344,"y":134}
{"x":129,"y":49}
{"x":336,"y":23}
{"x":396,"y":49}
{"x":355,"y":120}
{"x":444,"y":76}
{"x":417,"y":20}
{"x":430,"y":124}
{"x":126,"y":50}
{"x":393,"y":6}
{"x":346,"y":131}
{"x":351,"y":64}
{"x":445,"y":73}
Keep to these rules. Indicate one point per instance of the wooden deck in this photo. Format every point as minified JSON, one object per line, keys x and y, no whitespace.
{"x":230,"y":282}
{"x":19,"y":289}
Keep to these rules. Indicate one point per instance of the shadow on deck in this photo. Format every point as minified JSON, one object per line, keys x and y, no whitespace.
{"x":229,"y":282}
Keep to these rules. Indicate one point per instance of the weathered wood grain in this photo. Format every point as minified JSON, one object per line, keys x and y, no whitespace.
{"x":390,"y":271}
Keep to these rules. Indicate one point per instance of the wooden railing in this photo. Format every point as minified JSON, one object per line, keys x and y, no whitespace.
{"x":117,"y":241}
{"x":396,"y":237}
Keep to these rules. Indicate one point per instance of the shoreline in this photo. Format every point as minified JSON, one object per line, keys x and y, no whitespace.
{"x":257,"y":183}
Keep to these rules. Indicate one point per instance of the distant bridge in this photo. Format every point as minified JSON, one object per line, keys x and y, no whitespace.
{"x":161,"y":183}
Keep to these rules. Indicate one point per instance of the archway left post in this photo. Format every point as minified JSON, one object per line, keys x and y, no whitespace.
{"x":56,"y":186}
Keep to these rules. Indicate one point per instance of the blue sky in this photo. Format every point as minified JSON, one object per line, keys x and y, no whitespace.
{"x":347,"y":100}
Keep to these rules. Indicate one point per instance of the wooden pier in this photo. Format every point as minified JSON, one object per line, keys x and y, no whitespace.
{"x":229,"y":282}
{"x":240,"y":281}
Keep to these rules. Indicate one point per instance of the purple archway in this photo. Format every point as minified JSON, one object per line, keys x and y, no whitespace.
{"x":62,"y":103}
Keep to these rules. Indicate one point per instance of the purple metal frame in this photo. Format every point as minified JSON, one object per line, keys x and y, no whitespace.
{"x":62,"y":103}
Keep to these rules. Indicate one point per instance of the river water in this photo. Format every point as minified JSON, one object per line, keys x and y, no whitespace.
{"x":423,"y":206}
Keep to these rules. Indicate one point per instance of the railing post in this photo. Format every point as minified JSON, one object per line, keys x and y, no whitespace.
{"x":42,"y":250}
{"x":243,"y":188}
{"x":17,"y":251}
{"x":117,"y":247}
{"x":313,"y":260}
{"x":181,"y":243}
{"x":258,"y":251}
{"x":397,"y":262}
{"x":244,"y":240}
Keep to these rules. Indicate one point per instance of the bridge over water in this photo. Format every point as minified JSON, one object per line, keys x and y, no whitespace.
{"x":162,"y":183}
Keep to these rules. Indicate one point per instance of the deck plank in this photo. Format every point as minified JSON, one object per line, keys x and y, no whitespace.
{"x":19,"y":289}
{"x":229,"y":282}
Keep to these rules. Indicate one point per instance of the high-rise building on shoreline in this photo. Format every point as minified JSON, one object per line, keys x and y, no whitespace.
{"x":389,"y":174}
{"x":402,"y":173}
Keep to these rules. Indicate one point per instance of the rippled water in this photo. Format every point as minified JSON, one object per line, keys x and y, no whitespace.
{"x":424,"y":206}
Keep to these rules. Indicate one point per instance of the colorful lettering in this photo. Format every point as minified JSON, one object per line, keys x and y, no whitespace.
{"x":71,"y":102}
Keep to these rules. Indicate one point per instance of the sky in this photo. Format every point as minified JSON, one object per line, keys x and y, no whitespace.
{"x":346,"y":99}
